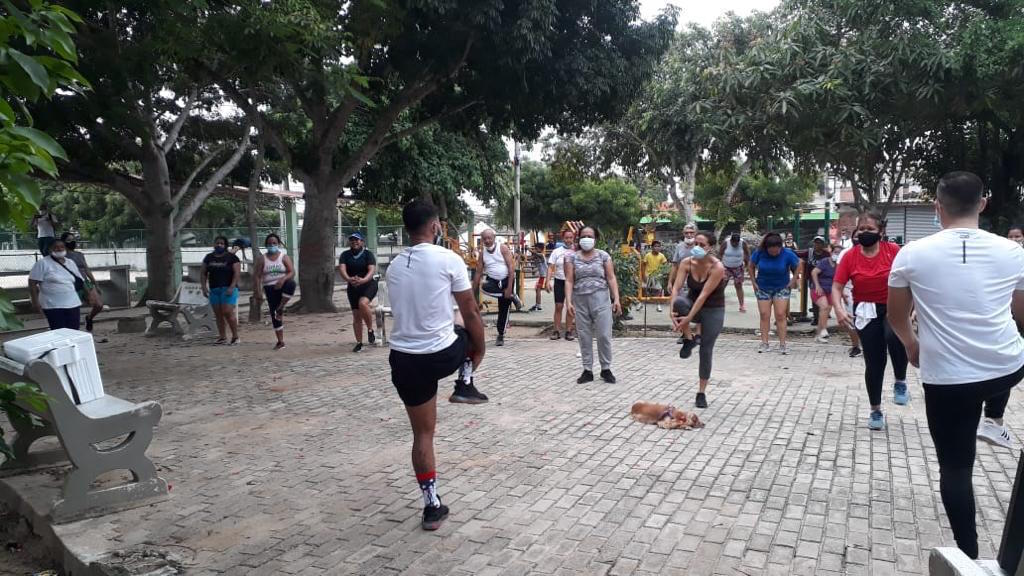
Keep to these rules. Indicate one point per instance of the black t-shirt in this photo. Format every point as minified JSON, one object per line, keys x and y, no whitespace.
{"x":220,"y":268}
{"x":357,"y":264}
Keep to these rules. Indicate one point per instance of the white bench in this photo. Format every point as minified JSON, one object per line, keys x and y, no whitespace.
{"x":82,"y":417}
{"x":190,"y":303}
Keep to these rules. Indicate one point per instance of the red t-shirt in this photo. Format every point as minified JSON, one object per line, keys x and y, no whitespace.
{"x":870,"y":276}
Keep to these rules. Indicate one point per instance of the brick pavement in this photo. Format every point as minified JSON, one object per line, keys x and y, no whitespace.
{"x":298,"y":463}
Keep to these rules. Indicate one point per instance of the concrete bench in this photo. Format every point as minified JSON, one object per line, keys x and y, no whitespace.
{"x":189,"y":303}
{"x":82,"y":417}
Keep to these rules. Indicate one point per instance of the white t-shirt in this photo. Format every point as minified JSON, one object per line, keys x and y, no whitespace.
{"x":963,"y":281}
{"x":420,"y":283}
{"x":44,"y":227}
{"x":57,"y":288}
{"x":557,"y":259}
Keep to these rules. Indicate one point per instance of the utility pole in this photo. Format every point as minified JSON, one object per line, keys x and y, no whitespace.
{"x":517,"y":221}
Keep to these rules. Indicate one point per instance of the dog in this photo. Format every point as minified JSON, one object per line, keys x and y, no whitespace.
{"x":664,"y":416}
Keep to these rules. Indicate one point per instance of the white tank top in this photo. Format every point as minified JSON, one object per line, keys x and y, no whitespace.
{"x":732,"y":256}
{"x":494,"y":263}
{"x":273,"y":270}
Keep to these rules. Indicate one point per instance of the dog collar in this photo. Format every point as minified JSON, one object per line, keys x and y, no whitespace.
{"x":667,"y":413}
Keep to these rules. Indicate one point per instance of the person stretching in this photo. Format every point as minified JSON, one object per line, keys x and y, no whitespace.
{"x":704,"y":276}
{"x":276,"y":272}
{"x":358,"y":267}
{"x":495,"y":261}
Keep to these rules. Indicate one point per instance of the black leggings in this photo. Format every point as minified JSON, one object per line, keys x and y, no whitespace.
{"x":877,"y":339}
{"x":496,"y":289}
{"x":953,"y":414}
{"x":276,"y":299}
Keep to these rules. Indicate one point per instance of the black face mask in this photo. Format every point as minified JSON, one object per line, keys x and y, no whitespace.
{"x":71,"y":245}
{"x":869,"y":239}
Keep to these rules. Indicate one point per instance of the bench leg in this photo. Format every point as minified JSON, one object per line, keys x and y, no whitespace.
{"x":26,"y":435}
{"x":159,"y":317}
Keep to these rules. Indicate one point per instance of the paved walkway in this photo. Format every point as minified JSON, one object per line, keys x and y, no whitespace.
{"x":298,"y":463}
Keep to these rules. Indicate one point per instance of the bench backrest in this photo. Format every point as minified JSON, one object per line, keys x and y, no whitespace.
{"x":191,"y":294}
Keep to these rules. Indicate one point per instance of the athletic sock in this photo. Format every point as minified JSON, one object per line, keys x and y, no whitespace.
{"x":465,"y":372}
{"x":428,"y":485}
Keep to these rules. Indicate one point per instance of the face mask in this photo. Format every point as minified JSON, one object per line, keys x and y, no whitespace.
{"x":587,"y":244}
{"x":835,"y":258}
{"x":689,"y":241}
{"x":735,"y":239}
{"x":71,"y":245}
{"x":60,"y":254}
{"x":869,"y":239}
{"x":698,"y":252}
{"x":273,"y":249}
{"x":219,"y":249}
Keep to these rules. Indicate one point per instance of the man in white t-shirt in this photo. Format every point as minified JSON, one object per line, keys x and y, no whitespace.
{"x":556,"y":270}
{"x":968,"y":288}
{"x":45,"y":224}
{"x":427,"y":341}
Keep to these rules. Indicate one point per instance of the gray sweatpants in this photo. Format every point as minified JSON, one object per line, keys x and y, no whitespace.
{"x":711,"y":321}
{"x":594,"y":318}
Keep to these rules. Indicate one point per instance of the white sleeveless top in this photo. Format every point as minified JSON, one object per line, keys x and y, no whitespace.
{"x":732,"y":256}
{"x":494,"y":263}
{"x":273,"y":270}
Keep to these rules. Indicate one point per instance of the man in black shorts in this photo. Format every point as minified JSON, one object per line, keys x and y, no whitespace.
{"x":427,"y":342}
{"x":357,"y":267}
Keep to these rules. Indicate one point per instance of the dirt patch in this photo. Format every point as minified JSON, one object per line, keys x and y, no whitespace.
{"x":23,"y":552}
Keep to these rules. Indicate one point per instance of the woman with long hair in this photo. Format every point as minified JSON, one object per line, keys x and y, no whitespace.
{"x":774,"y":272}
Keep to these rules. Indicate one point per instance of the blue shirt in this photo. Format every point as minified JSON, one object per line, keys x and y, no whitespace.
{"x":773,"y":272}
{"x":828,"y":272}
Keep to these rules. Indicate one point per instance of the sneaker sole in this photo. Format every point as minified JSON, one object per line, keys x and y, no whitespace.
{"x":874,"y":427}
{"x":465,"y":400}
{"x":435,"y":524}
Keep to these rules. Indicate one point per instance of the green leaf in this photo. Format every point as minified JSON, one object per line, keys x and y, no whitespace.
{"x":61,"y":43}
{"x":26,"y":187}
{"x":41,"y":139}
{"x":70,"y":14}
{"x":44,"y":162}
{"x":359,"y":96}
{"x":35,"y":71}
{"x":7,"y":113}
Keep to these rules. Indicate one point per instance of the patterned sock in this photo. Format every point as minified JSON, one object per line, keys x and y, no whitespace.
{"x":429,"y":487}
{"x":465,"y":372}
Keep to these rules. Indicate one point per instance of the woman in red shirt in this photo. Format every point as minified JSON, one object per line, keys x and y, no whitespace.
{"x":867,"y":265}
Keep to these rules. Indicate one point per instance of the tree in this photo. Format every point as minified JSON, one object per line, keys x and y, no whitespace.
{"x":758,"y":195}
{"x":147,"y":130}
{"x":354,"y":77}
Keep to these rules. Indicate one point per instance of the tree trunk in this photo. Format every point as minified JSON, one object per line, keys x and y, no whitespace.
{"x":688,"y":188}
{"x":726,"y":215}
{"x":316,"y":247}
{"x":160,"y":248}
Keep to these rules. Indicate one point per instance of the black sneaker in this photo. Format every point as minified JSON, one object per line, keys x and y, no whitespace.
{"x":681,"y":340}
{"x":88,"y":323}
{"x":279,"y":345}
{"x":697,"y":339}
{"x":371,"y":336}
{"x":607,"y":376}
{"x":854,"y":352}
{"x":433,"y":516}
{"x":500,"y":341}
{"x":702,"y":400}
{"x":569,"y":336}
{"x":358,"y":347}
{"x":587,"y":376}
{"x":466,"y":394}
{"x":687,"y":349}
{"x":555,"y":336}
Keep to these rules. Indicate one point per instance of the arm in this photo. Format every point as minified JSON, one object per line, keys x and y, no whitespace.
{"x":478,"y":277}
{"x":901,"y":304}
{"x":613,"y":285}
{"x":1017,"y":308}
{"x":344,"y":274}
{"x":371,"y":269}
{"x":203,"y":274}
{"x":798,"y":273}
{"x":473,"y":323}
{"x":236,"y":275}
{"x":289,"y":268}
{"x":714,"y":279}
{"x":752,"y":271}
{"x":814,"y":278}
{"x":570,"y":278}
{"x":510,"y":263}
{"x":33,"y":290}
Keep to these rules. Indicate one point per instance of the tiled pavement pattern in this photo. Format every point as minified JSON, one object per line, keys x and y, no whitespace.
{"x":299,"y":464}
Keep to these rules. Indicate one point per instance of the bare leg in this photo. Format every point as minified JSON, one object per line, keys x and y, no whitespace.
{"x":854,"y":337}
{"x":539,"y":290}
{"x":781,"y":315}
{"x":218,"y":313}
{"x":739,"y":296}
{"x":357,"y":324}
{"x":823,"y":311}
{"x":703,"y":385}
{"x":229,"y":316}
{"x":366,"y":312}
{"x":764,"y":308}
{"x":558,"y":317}
{"x":423,"y":419}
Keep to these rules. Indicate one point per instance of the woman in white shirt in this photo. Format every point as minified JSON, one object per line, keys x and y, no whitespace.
{"x":53,"y":285}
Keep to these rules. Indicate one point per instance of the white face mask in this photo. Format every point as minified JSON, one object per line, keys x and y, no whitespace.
{"x":587,"y":244}
{"x":60,"y":254}
{"x":689,"y":241}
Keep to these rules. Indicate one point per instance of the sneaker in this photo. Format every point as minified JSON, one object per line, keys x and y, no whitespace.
{"x":517,"y":302}
{"x":234,"y":341}
{"x":626,"y":317}
{"x":993,"y":433}
{"x":822,"y":338}
{"x":88,"y":323}
{"x":697,"y":339}
{"x":500,"y":341}
{"x":877,"y":420}
{"x":587,"y":376}
{"x":279,"y":345}
{"x":900,"y":394}
{"x":743,"y":309}
{"x":358,"y":347}
{"x":220,"y":341}
{"x":687,"y":349}
{"x":466,"y":394}
{"x":433,"y":516}
{"x":569,"y":336}
{"x":702,"y":400}
{"x":681,"y":340}
{"x":607,"y":376}
{"x":764,"y":347}
{"x":854,"y":352}
{"x":555,"y":336}
{"x":783,"y":350}
{"x":371,"y":336}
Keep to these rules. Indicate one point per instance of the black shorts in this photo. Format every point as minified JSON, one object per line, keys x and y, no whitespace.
{"x":415,"y":376}
{"x":559,"y":291}
{"x":368,"y":291}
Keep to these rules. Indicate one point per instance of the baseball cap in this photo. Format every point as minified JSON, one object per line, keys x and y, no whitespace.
{"x":819,"y":239}
{"x":355,"y":235}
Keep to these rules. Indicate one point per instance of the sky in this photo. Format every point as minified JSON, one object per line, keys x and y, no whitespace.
{"x":702,"y":12}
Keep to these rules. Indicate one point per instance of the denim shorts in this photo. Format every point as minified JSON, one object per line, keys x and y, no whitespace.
{"x":222,"y":297}
{"x":781,"y":294}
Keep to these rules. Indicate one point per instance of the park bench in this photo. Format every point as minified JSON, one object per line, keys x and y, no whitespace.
{"x":949,"y":561}
{"x":99,"y":433}
{"x":190,"y":303}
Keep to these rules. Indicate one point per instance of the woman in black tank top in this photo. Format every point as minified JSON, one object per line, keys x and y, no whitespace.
{"x":704,"y":276}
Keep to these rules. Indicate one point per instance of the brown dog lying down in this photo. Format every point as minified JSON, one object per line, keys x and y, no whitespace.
{"x":664,"y":416}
